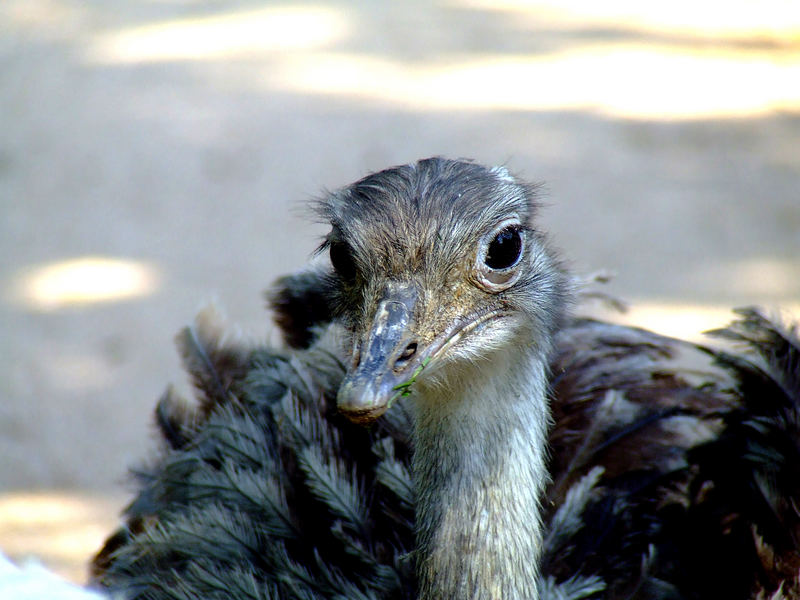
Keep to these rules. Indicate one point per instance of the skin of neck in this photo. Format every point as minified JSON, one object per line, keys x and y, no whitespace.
{"x":479,"y":471}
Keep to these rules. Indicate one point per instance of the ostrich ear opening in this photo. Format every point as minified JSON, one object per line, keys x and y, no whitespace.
{"x":301,"y":305}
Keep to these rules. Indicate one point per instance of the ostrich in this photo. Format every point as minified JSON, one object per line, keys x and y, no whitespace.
{"x":483,"y":332}
{"x":442,"y":323}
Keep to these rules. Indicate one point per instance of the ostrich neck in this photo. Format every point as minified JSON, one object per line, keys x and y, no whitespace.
{"x":479,"y":469}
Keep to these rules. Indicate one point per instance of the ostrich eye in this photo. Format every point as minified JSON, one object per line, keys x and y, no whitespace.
{"x":499,"y":257}
{"x":342,"y":260}
{"x":505,"y":250}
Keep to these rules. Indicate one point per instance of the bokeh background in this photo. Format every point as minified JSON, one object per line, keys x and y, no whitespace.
{"x":156,"y":155}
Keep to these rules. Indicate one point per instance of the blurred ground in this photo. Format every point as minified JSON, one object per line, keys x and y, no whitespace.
{"x":156,"y":155}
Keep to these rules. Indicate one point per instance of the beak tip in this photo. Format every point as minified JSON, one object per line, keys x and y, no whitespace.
{"x":361,"y":404}
{"x":363,"y":416}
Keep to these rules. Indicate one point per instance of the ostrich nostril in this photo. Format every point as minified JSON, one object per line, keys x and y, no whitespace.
{"x":406,"y":355}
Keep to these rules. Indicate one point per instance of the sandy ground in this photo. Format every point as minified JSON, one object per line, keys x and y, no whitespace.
{"x":156,"y":156}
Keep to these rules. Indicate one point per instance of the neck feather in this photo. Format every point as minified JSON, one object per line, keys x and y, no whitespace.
{"x":479,"y":470}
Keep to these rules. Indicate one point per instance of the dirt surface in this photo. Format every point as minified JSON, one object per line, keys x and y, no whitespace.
{"x":156,"y":156}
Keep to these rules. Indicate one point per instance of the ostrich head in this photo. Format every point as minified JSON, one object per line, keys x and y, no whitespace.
{"x":437,"y":266}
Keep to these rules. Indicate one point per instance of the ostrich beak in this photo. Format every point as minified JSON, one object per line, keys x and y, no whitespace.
{"x":387,"y":360}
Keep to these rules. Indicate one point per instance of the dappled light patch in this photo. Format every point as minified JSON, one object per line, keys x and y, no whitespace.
{"x":82,"y":281}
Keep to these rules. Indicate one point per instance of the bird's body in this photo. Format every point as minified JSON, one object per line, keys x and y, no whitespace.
{"x":443,"y":290}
